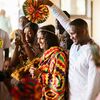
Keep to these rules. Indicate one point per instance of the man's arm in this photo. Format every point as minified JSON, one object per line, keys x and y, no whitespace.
{"x":58,"y":14}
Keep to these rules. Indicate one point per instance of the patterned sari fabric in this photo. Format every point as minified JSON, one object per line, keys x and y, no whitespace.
{"x":53,"y":67}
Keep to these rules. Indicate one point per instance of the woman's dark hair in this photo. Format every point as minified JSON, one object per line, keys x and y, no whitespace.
{"x":49,"y":27}
{"x":33,"y":26}
{"x":24,"y":21}
{"x":50,"y":38}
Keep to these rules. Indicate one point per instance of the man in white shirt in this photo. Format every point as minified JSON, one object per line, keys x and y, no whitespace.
{"x":84,"y":79}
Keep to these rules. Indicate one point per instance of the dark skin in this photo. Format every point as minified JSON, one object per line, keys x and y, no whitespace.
{"x":26,"y":45}
{"x":14,"y":59}
{"x":48,"y":2}
{"x":27,"y":49}
{"x":29,"y":42}
{"x":79,"y":34}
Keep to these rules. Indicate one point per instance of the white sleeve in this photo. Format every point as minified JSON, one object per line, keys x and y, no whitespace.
{"x":93,"y":80}
{"x":60,"y":16}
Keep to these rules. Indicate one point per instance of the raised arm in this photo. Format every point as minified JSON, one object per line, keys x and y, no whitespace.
{"x":58,"y":14}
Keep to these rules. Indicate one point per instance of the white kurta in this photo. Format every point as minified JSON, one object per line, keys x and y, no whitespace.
{"x":84,"y":79}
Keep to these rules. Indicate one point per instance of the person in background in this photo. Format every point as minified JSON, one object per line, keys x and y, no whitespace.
{"x":63,"y":35}
{"x":5,"y":23}
{"x":4,"y":46}
{"x":83,"y":73}
{"x":22,"y":22}
{"x":4,"y":56}
{"x":22,"y":53}
{"x":25,"y":52}
{"x":53,"y":66}
{"x":26,"y":46}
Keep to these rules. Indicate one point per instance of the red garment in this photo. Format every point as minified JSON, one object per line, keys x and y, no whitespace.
{"x":53,"y":66}
{"x":27,"y":89}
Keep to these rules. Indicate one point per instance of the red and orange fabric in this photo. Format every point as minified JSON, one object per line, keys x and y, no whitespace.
{"x":53,"y":67}
{"x":27,"y":89}
{"x":50,"y":83}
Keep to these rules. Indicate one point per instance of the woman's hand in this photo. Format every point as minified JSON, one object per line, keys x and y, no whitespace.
{"x":34,"y":72}
{"x":31,"y":70}
{"x":23,"y":38}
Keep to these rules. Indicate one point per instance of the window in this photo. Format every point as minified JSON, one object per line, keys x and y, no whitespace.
{"x":74,"y":7}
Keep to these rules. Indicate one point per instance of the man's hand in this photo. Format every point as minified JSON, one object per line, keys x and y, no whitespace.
{"x":48,"y":2}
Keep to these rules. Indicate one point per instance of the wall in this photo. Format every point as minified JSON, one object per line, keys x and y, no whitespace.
{"x":96,"y":21}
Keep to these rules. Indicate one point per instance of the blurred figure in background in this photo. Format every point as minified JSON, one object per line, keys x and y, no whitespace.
{"x":5,"y":23}
{"x":22,"y":22}
{"x":4,"y":47}
{"x":26,"y":50}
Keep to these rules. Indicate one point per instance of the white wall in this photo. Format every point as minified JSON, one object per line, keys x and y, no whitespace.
{"x":96,"y":21}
